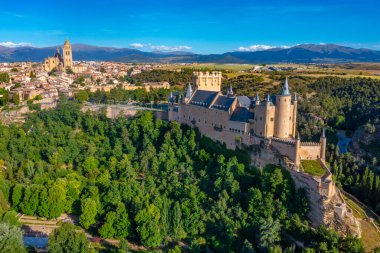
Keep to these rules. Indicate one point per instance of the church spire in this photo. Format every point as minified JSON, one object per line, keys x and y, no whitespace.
{"x":285,"y":88}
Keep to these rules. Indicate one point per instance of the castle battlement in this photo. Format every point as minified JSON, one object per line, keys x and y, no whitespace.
{"x":286,"y":141}
{"x":310,"y":144}
{"x":208,"y":81}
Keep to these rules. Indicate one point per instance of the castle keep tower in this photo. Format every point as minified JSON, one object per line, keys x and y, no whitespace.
{"x":283,"y":127}
{"x":208,"y":81}
{"x":67,"y":55}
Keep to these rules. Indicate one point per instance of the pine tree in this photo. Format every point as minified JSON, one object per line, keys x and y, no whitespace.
{"x":178,"y":231}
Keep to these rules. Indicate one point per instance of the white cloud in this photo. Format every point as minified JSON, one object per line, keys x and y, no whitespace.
{"x":136,"y":45}
{"x":255,"y":48}
{"x":12,"y":44}
{"x":170,"y":48}
{"x":160,"y":47}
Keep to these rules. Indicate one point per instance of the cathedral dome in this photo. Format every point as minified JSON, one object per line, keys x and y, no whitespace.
{"x":58,"y":56}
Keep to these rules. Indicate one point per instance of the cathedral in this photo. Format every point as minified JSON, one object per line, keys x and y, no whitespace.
{"x":237,"y":120}
{"x":60,"y":61}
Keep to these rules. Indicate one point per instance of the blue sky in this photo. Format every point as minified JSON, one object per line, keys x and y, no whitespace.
{"x":207,"y":26}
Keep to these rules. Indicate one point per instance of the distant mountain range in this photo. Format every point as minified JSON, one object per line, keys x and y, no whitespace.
{"x":306,"y":53}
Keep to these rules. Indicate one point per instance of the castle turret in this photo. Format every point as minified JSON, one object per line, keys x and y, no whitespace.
{"x":268,"y":100}
{"x":257,"y":99}
{"x":230,"y":91}
{"x":323,"y":142}
{"x":284,"y":114}
{"x":67,"y":55}
{"x":297,"y":159}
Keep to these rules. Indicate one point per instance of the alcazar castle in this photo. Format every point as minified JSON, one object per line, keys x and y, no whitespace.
{"x":236,"y":120}
{"x":269,"y":124}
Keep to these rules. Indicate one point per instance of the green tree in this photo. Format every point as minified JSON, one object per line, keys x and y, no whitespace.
{"x":65,"y":239}
{"x":16,"y":98}
{"x":178,"y":231}
{"x":351,"y":244}
{"x":17,"y":195}
{"x":247,"y":247}
{"x":269,"y":232}
{"x":11,"y":218}
{"x":89,"y":212}
{"x":147,"y":221}
{"x":4,"y":77}
{"x":122,"y":224}
{"x":123,"y":246}
{"x":43,"y":207}
{"x":56,"y":200}
{"x":11,"y":239}
{"x":81,"y":96}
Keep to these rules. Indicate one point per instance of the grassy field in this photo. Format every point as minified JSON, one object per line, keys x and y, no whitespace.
{"x":313,"y":167}
{"x":211,"y":66}
{"x":370,"y":235}
{"x":338,"y":70}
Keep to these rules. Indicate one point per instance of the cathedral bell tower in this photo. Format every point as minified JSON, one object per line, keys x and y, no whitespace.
{"x":67,"y":55}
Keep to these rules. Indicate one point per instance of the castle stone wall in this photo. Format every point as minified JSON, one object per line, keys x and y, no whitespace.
{"x":285,"y":147}
{"x":310,"y":151}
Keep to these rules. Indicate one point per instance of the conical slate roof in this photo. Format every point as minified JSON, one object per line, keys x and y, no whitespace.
{"x":285,"y":88}
{"x":189,"y":91}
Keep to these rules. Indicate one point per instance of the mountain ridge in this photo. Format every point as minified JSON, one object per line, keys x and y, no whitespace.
{"x":304,"y":53}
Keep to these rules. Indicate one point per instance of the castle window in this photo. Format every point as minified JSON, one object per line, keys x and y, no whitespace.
{"x":271,"y":119}
{"x":290,"y":118}
{"x":285,"y":99}
{"x":261,"y":118}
